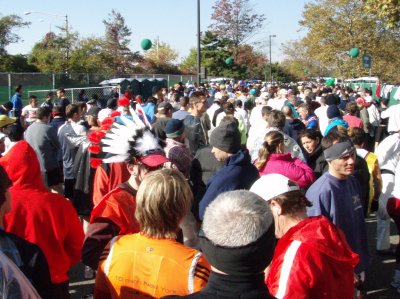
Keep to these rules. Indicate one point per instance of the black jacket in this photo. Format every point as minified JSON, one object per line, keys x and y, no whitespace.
{"x":30,"y":260}
{"x":317,"y":162}
{"x":221,"y":286}
{"x":293,"y":127}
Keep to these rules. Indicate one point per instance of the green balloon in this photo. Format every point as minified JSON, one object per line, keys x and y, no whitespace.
{"x":354,"y":52}
{"x":146,"y":44}
{"x":330,"y":82}
{"x":306,"y":72}
{"x":228,"y":61}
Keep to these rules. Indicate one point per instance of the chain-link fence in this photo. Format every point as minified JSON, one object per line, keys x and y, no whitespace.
{"x":52,"y":81}
{"x":103,"y":93}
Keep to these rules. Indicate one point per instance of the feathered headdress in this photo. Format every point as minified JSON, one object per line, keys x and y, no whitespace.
{"x":129,"y":141}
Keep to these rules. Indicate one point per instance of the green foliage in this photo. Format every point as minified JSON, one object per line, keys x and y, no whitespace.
{"x":280,"y":74}
{"x":88,"y":57}
{"x":16,"y":63}
{"x":189,"y":63}
{"x":48,"y":55}
{"x":8,"y":24}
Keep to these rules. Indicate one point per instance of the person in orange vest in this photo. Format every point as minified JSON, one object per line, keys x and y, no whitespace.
{"x":152,"y":264}
{"x":132,"y":145}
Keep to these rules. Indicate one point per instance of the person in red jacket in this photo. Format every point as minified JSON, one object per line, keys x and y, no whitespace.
{"x":131,"y":146}
{"x":46,"y":219}
{"x":312,"y":258}
{"x":272,"y":159}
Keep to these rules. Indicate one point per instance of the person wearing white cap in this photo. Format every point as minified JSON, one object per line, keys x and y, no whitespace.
{"x":312,"y":258}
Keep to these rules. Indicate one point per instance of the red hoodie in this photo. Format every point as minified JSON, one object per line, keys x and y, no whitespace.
{"x":39,"y":216}
{"x":313,"y":260}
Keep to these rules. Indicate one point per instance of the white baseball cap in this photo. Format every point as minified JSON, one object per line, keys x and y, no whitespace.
{"x":271,"y":185}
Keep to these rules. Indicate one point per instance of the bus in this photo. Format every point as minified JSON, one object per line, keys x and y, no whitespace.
{"x":361,"y":80}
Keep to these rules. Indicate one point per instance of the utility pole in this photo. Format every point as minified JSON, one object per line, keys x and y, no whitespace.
{"x":270,"y":57}
{"x":198,"y":44}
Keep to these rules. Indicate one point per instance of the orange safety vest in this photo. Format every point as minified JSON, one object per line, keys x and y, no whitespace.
{"x":141,"y":267}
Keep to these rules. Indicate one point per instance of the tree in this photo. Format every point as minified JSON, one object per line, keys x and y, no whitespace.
{"x":215,"y":50}
{"x":189,"y":63}
{"x":16,"y":63}
{"x":48,"y":55}
{"x":254,"y":61}
{"x":160,"y":59}
{"x":298,"y":60}
{"x":236,"y":21}
{"x":161,"y":53}
{"x":335,"y":26}
{"x":387,"y":10}
{"x":8,"y":24}
{"x":88,"y":56}
{"x":117,"y":38}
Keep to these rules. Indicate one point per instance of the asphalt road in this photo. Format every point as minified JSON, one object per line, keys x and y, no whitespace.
{"x":377,"y":284}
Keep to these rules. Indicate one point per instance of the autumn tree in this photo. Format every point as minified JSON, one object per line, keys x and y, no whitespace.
{"x":254,"y":61}
{"x":387,"y":10}
{"x":297,"y":60}
{"x":335,"y":26}
{"x":48,"y":55}
{"x":162,"y":53}
{"x":8,"y":25}
{"x":236,"y":21}
{"x":117,"y":38}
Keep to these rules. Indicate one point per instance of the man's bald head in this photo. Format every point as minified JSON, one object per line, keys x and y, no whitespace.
{"x":287,"y":111}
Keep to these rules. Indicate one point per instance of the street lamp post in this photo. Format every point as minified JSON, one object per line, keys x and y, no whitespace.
{"x":198,"y":44}
{"x":270,"y":59}
{"x":66,"y":26}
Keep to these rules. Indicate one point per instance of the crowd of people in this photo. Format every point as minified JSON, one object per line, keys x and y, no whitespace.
{"x":232,"y":190}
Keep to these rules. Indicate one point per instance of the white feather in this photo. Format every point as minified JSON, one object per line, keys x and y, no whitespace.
{"x":147,"y":142}
{"x":132,"y":124}
{"x":118,"y":149}
{"x":136,"y":118}
{"x":117,"y":158}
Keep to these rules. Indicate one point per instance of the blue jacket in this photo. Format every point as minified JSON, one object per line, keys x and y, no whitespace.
{"x":237,"y":173}
{"x":17,"y":104}
{"x":150,"y":110}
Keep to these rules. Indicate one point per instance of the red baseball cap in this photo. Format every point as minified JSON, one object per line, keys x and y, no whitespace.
{"x":154,"y":160}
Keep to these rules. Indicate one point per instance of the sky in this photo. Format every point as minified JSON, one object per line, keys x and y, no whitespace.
{"x":172,"y":21}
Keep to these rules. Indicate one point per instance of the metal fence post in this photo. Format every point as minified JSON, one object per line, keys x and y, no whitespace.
{"x":9,"y":86}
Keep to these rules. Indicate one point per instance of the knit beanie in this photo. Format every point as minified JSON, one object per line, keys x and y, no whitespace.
{"x":226,"y":137}
{"x":332,"y":99}
{"x":174,"y":128}
{"x":333,"y":111}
